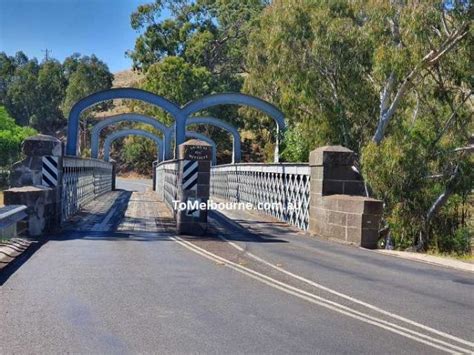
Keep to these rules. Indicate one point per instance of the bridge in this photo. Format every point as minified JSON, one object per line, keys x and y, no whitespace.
{"x":259,"y":257}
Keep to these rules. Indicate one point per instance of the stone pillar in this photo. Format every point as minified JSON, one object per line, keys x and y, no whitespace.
{"x":29,"y":172}
{"x":36,"y":183}
{"x":42,"y":207}
{"x":339,"y":208}
{"x":193,"y":186}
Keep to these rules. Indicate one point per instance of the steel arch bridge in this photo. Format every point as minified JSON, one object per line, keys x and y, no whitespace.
{"x":180,"y":114}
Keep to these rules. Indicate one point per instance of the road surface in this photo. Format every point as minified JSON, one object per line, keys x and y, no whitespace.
{"x":140,"y":185}
{"x":120,"y":281}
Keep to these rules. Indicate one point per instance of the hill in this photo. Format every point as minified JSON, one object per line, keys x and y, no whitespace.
{"x":122,"y":79}
{"x":127,"y":78}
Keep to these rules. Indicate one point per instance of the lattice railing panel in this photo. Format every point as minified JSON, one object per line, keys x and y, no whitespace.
{"x":167,"y":181}
{"x":279,"y":185}
{"x":82,"y":181}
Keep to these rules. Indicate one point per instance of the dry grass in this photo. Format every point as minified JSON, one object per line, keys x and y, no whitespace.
{"x":1,"y":198}
{"x":122,"y":79}
{"x":468,"y":258}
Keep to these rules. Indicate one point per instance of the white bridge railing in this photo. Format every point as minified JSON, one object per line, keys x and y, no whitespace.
{"x":166,"y":181}
{"x":82,"y":181}
{"x":285,"y":188}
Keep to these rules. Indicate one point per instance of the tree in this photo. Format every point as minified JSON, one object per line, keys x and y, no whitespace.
{"x":311,"y":59}
{"x":11,"y":136}
{"x":391,"y":80}
{"x":205,"y":33}
{"x":418,"y":37}
{"x":41,"y":94}
{"x":86,"y":75}
{"x":178,"y":80}
{"x":7,"y":69}
{"x":50,"y":89}
{"x":21,"y":95}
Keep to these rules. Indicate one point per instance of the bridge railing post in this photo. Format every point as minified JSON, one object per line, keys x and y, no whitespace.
{"x":114,"y":173}
{"x":155,"y":163}
{"x":339,"y":207}
{"x":36,"y":182}
{"x":193,"y":186}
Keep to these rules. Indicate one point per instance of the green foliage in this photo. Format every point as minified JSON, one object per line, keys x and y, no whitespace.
{"x":139,"y":153}
{"x":86,"y":75}
{"x":327,"y":64}
{"x":41,"y":94}
{"x":177,"y":80}
{"x":20,"y":95}
{"x":51,"y":84}
{"x":11,"y":136}
{"x":206,"y":33}
{"x":311,"y":60}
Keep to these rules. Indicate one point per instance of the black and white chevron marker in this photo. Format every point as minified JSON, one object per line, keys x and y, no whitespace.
{"x":190,"y":175}
{"x":50,"y":171}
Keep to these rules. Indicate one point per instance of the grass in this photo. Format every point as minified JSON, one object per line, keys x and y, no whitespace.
{"x":1,"y":198}
{"x":469,"y":258}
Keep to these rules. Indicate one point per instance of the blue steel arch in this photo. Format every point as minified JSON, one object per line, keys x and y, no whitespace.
{"x":132,"y":117}
{"x":121,"y":93}
{"x":180,"y":114}
{"x":131,"y":132}
{"x":202,"y":137}
{"x":238,"y":99}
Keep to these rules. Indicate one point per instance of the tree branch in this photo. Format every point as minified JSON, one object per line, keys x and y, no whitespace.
{"x":428,"y":60}
{"x":444,"y":23}
{"x":450,"y":119}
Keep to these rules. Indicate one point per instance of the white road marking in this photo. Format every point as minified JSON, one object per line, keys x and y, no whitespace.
{"x":441,"y":345}
{"x":102,"y":226}
{"x":349,"y":298}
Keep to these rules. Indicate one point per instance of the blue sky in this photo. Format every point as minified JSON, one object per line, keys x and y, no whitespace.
{"x":100,"y":27}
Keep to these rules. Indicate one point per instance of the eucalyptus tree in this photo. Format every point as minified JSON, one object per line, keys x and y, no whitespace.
{"x":391,"y":80}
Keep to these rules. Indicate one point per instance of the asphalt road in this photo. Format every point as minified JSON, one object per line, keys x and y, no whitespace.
{"x":141,"y":292}
{"x":139,"y":185}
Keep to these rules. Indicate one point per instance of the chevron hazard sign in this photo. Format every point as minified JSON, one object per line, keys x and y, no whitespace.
{"x":50,"y":171}
{"x":190,"y":175}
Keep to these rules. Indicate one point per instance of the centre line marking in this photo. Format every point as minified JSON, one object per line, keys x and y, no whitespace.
{"x":349,"y":298}
{"x":441,"y":345}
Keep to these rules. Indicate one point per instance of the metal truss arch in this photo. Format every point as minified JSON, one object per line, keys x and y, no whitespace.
{"x":166,"y":153}
{"x":120,"y":93}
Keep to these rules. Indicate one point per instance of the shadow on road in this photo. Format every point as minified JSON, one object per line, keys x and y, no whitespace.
{"x":14,"y":265}
{"x":236,"y":232}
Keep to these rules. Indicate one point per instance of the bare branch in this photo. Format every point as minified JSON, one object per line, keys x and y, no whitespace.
{"x":438,"y":32}
{"x":417,"y":107}
{"x":408,"y":82}
{"x":445,"y":24}
{"x":451,"y":119}
{"x":443,"y":197}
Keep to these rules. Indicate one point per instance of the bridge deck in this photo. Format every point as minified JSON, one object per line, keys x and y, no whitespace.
{"x":118,"y":280}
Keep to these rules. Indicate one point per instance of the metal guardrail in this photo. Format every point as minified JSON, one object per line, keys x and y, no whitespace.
{"x":9,"y":217}
{"x":277,"y":185}
{"x":82,"y":181}
{"x":166,"y":181}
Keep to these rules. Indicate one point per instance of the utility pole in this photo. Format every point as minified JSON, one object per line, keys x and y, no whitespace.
{"x":47,"y":52}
